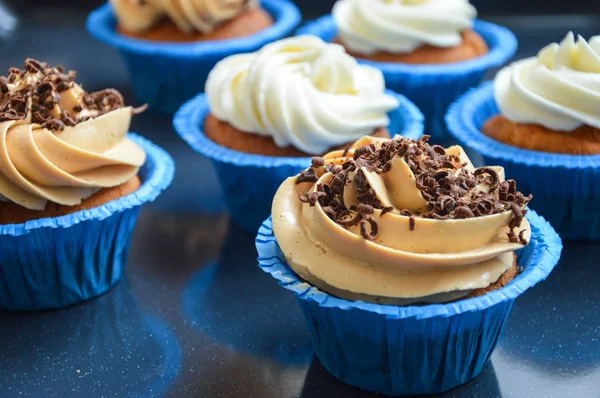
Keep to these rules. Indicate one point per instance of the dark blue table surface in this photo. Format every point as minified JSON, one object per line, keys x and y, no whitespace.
{"x":195,"y":317}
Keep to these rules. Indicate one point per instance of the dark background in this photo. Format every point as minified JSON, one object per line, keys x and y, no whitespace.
{"x":314,"y":8}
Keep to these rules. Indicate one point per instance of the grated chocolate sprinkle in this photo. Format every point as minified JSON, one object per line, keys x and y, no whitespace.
{"x":39,"y":100}
{"x":445,"y":184}
{"x":317,"y":162}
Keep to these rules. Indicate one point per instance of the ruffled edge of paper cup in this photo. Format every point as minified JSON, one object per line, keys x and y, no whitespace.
{"x":479,"y":102}
{"x":538,"y":260}
{"x":101,"y":24}
{"x":189,"y":120}
{"x":157,"y":174}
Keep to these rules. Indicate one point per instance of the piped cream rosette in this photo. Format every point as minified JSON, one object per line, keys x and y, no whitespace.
{"x":38,"y":165}
{"x":412,"y":259}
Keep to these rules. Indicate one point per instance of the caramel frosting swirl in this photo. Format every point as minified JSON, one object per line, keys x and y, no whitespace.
{"x":189,"y":15}
{"x":59,"y":143}
{"x":400,"y":222}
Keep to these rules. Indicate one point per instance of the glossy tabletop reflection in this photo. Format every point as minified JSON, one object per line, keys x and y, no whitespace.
{"x":196,"y":317}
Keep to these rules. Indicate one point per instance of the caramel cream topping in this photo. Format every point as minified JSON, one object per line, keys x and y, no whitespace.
{"x":399,"y":221}
{"x":189,"y":15}
{"x":59,"y":143}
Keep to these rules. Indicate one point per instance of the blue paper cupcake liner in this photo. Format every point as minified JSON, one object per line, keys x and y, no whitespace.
{"x":565,"y":187}
{"x":165,"y":75}
{"x":250,"y":181}
{"x":56,"y":262}
{"x":410,"y":350}
{"x":434,"y":87}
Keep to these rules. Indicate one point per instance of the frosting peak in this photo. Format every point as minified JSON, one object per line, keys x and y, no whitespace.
{"x":400,"y":219}
{"x":401,"y":26}
{"x":59,"y":143}
{"x":189,"y":15}
{"x":300,"y":91}
{"x":558,"y":89}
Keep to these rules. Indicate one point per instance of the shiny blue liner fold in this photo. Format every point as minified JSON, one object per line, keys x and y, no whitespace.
{"x":565,"y":187}
{"x":250,"y":181}
{"x":56,"y":262}
{"x":410,"y":350}
{"x":434,"y":87}
{"x":165,"y":75}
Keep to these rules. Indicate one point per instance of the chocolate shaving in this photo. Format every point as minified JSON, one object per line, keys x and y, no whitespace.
{"x":512,"y":237}
{"x":347,"y":148}
{"x":307,"y":175}
{"x":386,"y":210}
{"x":448,"y":187}
{"x":41,"y":98}
{"x":494,"y":179}
{"x":339,"y":182}
{"x":54,"y":124}
{"x":522,"y":239}
{"x":317,"y":162}
{"x":33,"y":66}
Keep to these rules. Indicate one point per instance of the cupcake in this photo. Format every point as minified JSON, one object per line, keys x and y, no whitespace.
{"x":265,"y":114}
{"x":538,"y":117}
{"x":185,"y":21}
{"x":71,"y":183}
{"x":169,"y":46}
{"x":429,"y":50}
{"x":406,"y":261}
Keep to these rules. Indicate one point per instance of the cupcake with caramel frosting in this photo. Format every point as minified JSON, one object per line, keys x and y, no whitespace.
{"x":406,"y":261}
{"x":61,"y":149}
{"x":190,"y":20}
{"x":265,"y":114}
{"x":429,"y":50}
{"x":71,"y":182}
{"x":401,"y":222}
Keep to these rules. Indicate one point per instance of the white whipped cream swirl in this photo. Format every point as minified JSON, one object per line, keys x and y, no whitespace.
{"x":302,"y":92}
{"x":558,"y":89}
{"x":401,"y":26}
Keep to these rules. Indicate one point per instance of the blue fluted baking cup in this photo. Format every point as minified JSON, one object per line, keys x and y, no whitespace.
{"x":565,"y":187}
{"x":434,"y":87}
{"x":406,"y":350}
{"x":165,"y":75}
{"x":250,"y":181}
{"x":56,"y":262}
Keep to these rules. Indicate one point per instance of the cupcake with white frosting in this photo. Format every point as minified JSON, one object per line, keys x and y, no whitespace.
{"x":397,"y":248}
{"x":277,"y":107}
{"x":540,"y":115}
{"x":411,"y":32}
{"x":170,"y":46}
{"x":69,"y":171}
{"x":429,"y":50}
